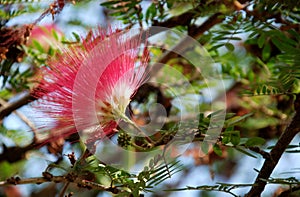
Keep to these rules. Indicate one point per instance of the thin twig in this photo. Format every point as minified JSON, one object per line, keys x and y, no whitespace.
{"x":263,"y":153}
{"x":59,"y":179}
{"x":14,"y":154}
{"x":28,"y":122}
{"x":64,"y":189}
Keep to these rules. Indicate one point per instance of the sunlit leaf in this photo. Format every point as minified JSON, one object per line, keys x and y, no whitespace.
{"x":255,"y":141}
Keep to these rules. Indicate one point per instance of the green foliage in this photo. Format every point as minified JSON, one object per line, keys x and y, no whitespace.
{"x":256,"y":47}
{"x":156,"y":11}
{"x":8,"y":169}
{"x":235,"y":120}
{"x":14,"y":8}
{"x":278,"y":57}
{"x":227,"y":32}
{"x":221,"y":187}
{"x":255,"y":141}
{"x":129,"y":12}
{"x":5,"y":15}
{"x":153,"y":174}
{"x":18,"y":137}
{"x":231,"y":136}
{"x":285,"y":72}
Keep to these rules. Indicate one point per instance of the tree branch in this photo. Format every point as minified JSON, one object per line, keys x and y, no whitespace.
{"x":194,"y":32}
{"x":60,"y":179}
{"x":10,"y":107}
{"x":276,"y":153}
{"x":263,"y":153}
{"x":14,"y":154}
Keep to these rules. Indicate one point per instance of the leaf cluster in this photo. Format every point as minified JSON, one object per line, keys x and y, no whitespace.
{"x":153,"y":174}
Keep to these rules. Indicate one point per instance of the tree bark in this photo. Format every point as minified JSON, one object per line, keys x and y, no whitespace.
{"x":276,"y":153}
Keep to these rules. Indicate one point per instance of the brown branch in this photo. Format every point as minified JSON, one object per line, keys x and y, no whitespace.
{"x":182,"y":19}
{"x":263,"y":153}
{"x":194,"y":32}
{"x":10,"y":107}
{"x":69,"y":178}
{"x":276,"y":153}
{"x":216,"y":18}
{"x":17,"y":153}
{"x":14,"y":154}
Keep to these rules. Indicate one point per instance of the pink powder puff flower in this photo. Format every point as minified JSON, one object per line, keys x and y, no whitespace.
{"x":88,"y":87}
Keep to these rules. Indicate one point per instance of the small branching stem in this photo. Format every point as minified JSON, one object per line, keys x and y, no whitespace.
{"x":58,"y":179}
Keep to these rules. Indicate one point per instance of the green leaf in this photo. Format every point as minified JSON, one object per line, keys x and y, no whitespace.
{"x":151,"y":12}
{"x":216,"y":47}
{"x":235,"y":138}
{"x":261,"y":40}
{"x":284,"y":38}
{"x":264,"y":89}
{"x":215,"y":113}
{"x":217,"y":149}
{"x":235,"y":38}
{"x":76,"y":36}
{"x":163,"y":172}
{"x":226,"y":139}
{"x":5,"y":94}
{"x":283,"y":46}
{"x":253,"y":34}
{"x":229,"y":46}
{"x":295,"y":34}
{"x":109,"y":3}
{"x":11,"y":169}
{"x":255,"y":141}
{"x":51,"y":51}
{"x":55,"y":35}
{"x":266,"y":51}
{"x":169,"y":4}
{"x":231,"y":136}
{"x":229,"y":129}
{"x":251,"y":76}
{"x":38,"y":46}
{"x":236,"y":119}
{"x":229,"y":115}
